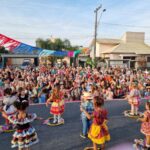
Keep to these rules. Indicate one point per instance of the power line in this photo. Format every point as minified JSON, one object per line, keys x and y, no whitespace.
{"x":126,"y":25}
{"x":86,"y":37}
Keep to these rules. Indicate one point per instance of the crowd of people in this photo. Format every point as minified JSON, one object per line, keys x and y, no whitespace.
{"x":37,"y":83}
{"x":55,"y":85}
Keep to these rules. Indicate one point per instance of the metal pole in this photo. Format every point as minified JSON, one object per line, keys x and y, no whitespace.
{"x":95,"y":33}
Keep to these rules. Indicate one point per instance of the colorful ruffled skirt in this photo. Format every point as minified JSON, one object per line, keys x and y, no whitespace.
{"x":24,"y":138}
{"x":99,"y":133}
{"x":57,"y":108}
{"x":134,"y":101}
{"x":145,"y":128}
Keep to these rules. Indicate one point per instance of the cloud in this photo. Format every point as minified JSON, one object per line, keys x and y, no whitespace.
{"x":28,"y":20}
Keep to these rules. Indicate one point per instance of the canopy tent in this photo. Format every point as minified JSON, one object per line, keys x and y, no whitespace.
{"x":17,"y":47}
{"x":59,"y":53}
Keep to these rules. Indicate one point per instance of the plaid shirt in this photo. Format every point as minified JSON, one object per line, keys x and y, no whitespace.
{"x":88,"y":106}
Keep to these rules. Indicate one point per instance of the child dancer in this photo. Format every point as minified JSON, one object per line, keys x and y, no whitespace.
{"x":8,"y":108}
{"x":99,"y":131}
{"x":134,"y":99}
{"x":87,"y":105}
{"x":25,"y":134}
{"x":57,"y":107}
{"x":145,"y":127}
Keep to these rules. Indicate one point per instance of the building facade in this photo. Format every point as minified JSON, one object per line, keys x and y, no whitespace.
{"x":130,"y":50}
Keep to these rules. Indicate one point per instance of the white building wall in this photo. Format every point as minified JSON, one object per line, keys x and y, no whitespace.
{"x":92,"y":52}
{"x":138,"y":37}
{"x":97,"y":50}
{"x":114,"y":56}
{"x":17,"y":61}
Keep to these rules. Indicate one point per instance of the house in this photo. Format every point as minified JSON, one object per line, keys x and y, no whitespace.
{"x":131,"y":50}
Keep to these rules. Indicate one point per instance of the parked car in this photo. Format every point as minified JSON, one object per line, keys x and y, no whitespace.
{"x":26,"y":63}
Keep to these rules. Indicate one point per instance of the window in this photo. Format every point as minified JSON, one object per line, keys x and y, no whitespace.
{"x":148,"y":59}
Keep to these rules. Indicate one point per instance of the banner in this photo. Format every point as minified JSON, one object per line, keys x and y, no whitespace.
{"x":27,"y":49}
{"x":21,"y":48}
{"x":18,"y":47}
{"x":8,"y":43}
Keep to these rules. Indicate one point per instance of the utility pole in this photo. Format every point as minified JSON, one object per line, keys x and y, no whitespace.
{"x":95,"y":33}
{"x":96,"y":26}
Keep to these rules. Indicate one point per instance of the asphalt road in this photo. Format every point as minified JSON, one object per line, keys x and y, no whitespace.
{"x":123,"y":130}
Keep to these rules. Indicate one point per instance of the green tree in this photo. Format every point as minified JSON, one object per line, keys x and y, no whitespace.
{"x":67,"y":43}
{"x":89,"y":62}
{"x":3,"y":50}
{"x":57,"y":44}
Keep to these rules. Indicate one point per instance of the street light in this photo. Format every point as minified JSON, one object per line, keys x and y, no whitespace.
{"x":96,"y":25}
{"x":100,"y":17}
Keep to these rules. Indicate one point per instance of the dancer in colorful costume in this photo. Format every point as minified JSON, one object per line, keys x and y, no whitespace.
{"x":57,"y":107}
{"x":8,"y":108}
{"x":98,"y":133}
{"x":25,"y":135}
{"x":134,"y":99}
{"x":145,"y":128}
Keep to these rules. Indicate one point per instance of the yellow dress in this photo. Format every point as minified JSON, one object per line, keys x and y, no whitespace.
{"x":99,"y":133}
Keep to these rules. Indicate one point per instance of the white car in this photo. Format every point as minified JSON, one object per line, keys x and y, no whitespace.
{"x":25,"y":64}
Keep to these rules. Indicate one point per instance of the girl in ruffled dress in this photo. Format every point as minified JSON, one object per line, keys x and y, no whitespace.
{"x":98,"y":132}
{"x":57,"y":107}
{"x":25,"y":135}
{"x":145,"y":127}
{"x":134,"y":99}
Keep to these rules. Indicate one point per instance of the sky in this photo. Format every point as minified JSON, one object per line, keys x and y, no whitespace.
{"x":27,"y":20}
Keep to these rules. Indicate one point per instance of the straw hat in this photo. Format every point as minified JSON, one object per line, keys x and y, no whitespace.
{"x":148,"y":87}
{"x":87,"y":95}
{"x":146,"y":72}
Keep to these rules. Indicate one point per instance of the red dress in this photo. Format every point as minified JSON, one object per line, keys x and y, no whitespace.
{"x":99,"y":133}
{"x":145,"y":128}
{"x":57,"y":107}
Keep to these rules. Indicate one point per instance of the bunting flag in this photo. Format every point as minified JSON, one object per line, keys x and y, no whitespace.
{"x":21,"y":48}
{"x":57,"y":53}
{"x":70,"y":53}
{"x":85,"y":50}
{"x":77,"y":52}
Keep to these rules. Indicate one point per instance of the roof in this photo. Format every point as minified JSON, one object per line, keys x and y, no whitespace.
{"x":108,"y":41}
{"x":129,"y":47}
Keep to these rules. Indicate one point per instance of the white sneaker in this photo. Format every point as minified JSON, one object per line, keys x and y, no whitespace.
{"x":61,"y":120}
{"x":54,"y":121}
